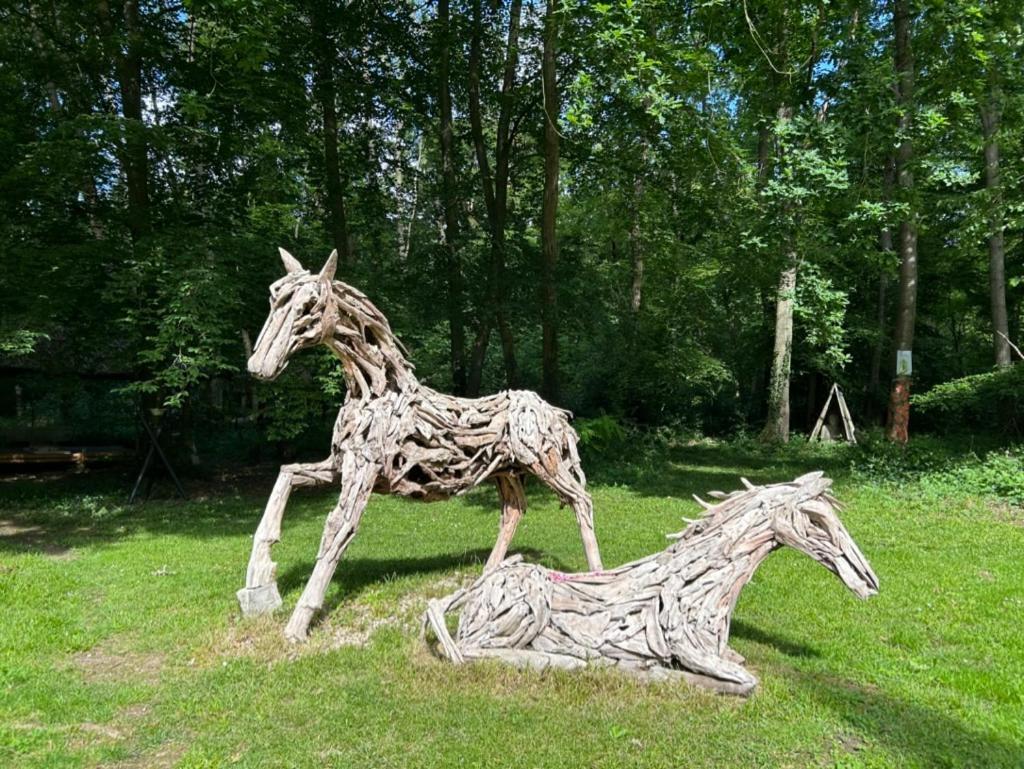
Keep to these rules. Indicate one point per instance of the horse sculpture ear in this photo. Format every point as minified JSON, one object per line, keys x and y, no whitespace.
{"x":327,"y":273}
{"x":291,"y":264}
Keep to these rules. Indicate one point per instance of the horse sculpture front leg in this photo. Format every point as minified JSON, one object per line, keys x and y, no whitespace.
{"x":358,"y":475}
{"x":260,"y":594}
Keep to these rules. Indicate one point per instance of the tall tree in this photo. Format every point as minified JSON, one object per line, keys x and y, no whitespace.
{"x":549,"y":212}
{"x":776,"y":428}
{"x":991,"y":109}
{"x":324,"y":19}
{"x":126,"y":52}
{"x":495,"y":189}
{"x":903,"y":57}
{"x":796,"y":91}
{"x":449,"y":201}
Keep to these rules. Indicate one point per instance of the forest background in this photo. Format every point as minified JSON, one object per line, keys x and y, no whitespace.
{"x":689,"y":215}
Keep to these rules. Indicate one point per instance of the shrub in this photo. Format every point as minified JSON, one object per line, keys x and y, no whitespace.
{"x":999,"y":474}
{"x":994,"y":399}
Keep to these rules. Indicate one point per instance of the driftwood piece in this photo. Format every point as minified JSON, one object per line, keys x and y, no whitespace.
{"x":665,"y":616}
{"x":394,"y":435}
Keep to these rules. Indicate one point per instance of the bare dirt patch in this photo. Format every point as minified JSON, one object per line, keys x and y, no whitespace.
{"x":348,"y":624}
{"x":32,"y":537}
{"x":165,"y":756}
{"x":103,"y":665}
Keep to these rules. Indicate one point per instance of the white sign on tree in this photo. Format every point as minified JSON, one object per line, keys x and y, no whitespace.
{"x":904,"y":364}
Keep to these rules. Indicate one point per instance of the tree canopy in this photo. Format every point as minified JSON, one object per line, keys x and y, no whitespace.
{"x":688,"y":213}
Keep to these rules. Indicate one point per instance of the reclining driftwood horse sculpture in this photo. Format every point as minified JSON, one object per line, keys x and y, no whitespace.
{"x":666,"y":616}
{"x":394,"y":435}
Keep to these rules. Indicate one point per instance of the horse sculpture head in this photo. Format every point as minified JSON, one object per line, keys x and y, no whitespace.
{"x":301,"y":309}
{"x":807,"y":521}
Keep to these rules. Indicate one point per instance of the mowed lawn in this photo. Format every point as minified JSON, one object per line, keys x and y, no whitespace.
{"x":121,"y":643}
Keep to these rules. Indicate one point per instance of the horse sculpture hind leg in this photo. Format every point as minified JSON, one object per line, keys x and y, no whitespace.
{"x":260,"y":595}
{"x":358,"y":475}
{"x":513,"y":505}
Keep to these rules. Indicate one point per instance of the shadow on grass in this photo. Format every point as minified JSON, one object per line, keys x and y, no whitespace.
{"x":741,"y":629}
{"x":66,"y":510}
{"x":913,"y":732}
{"x":680,"y":471}
{"x":354,"y":575}
{"x":61,"y":512}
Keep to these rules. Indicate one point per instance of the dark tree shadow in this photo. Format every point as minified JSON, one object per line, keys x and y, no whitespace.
{"x":918,"y":734}
{"x":69,"y":510}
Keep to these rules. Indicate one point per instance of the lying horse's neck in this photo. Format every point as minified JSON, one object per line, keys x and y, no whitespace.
{"x":708,"y":567}
{"x":370,"y":354}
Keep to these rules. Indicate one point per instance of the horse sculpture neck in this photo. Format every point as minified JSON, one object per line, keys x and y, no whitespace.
{"x":360,"y":336}
{"x":713,"y":560}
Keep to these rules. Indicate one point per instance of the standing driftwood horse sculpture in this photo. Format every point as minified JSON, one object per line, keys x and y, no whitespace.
{"x":666,"y":616}
{"x":394,"y":435}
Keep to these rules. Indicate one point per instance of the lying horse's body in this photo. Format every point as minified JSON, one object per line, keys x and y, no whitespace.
{"x":666,"y":615}
{"x":394,"y":435}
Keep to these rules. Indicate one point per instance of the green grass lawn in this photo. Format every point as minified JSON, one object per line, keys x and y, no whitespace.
{"x":121,"y":644}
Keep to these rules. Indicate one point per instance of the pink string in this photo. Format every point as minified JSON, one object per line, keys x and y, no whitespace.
{"x":561,"y":576}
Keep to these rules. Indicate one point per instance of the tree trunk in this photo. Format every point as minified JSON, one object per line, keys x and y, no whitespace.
{"x":776,"y":429}
{"x":899,"y":400}
{"x":636,"y":251}
{"x":885,"y":245}
{"x":549,"y":213}
{"x":453,"y":268}
{"x":326,"y":94}
{"x":479,"y":352}
{"x":495,"y":189}
{"x":133,"y":152}
{"x":990,"y":118}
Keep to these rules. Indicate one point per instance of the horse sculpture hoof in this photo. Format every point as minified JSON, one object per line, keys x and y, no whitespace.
{"x":255,"y":601}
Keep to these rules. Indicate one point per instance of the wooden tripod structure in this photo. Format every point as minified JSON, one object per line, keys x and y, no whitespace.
{"x":848,"y":430}
{"x":395,"y":435}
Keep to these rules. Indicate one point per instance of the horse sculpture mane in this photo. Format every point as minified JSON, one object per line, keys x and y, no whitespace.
{"x":666,"y":616}
{"x":395,"y":435}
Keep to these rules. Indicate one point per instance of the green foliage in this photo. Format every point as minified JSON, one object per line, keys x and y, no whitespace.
{"x":707,"y":145}
{"x":17,"y":344}
{"x":985,"y":398}
{"x":998,"y":475}
{"x":300,"y":399}
{"x":943,"y":469}
{"x":821,"y":310}
{"x":600,"y":433}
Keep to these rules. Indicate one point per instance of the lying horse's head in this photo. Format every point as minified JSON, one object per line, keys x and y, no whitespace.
{"x":300,"y":310}
{"x":807,"y":520}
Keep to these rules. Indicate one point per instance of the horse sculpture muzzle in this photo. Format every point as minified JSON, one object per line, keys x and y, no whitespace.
{"x":273,"y":347}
